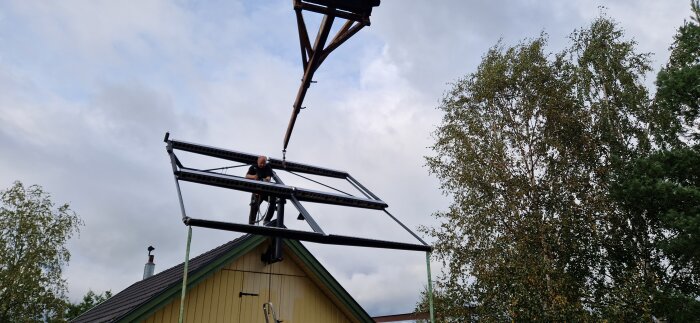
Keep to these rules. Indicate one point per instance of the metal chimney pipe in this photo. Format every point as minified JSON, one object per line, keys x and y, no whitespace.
{"x":150,"y":267}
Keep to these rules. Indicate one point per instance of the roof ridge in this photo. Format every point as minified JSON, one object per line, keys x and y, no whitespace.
{"x":234,"y":241}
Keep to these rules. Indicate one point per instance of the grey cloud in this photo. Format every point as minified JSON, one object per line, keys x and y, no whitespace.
{"x":105,"y":158}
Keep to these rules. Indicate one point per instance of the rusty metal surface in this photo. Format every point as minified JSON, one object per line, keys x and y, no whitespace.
{"x":311,"y":67}
{"x":356,"y":13}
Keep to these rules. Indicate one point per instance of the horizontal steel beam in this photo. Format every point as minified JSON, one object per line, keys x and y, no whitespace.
{"x":334,"y":13}
{"x":251,"y":159}
{"x":234,"y":183}
{"x":305,"y":235}
{"x":279,"y":190}
{"x":362,"y":8}
{"x":307,"y":195}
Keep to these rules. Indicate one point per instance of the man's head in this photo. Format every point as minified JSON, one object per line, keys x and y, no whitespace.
{"x":262,"y":160}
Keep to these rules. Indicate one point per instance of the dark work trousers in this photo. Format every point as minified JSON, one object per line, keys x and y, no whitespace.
{"x":255,"y":201}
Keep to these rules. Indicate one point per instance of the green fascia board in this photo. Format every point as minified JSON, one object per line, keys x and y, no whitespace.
{"x":144,"y":311}
{"x":327,"y":279}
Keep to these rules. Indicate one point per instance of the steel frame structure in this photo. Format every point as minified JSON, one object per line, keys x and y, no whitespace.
{"x":296,"y":195}
{"x":355,"y":12}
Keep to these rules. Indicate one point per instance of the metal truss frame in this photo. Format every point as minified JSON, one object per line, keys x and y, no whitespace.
{"x":296,"y":195}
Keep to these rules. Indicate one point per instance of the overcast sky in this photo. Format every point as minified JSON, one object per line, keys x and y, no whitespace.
{"x":88,"y":89}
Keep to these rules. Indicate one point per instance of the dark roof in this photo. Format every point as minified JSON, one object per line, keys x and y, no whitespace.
{"x":145,"y":290}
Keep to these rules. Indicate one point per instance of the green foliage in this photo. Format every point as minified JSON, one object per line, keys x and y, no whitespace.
{"x":562,"y":210}
{"x":32,"y":239}
{"x":678,"y":85}
{"x":663,"y":190}
{"x":444,"y":307}
{"x":527,"y":149}
{"x":89,"y":301}
{"x":608,"y":78}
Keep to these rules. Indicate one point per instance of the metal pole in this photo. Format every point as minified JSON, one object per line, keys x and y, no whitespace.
{"x":406,"y":228}
{"x":179,"y":195}
{"x":362,"y":190}
{"x":173,"y":163}
{"x":358,"y":188}
{"x":352,"y":179}
{"x":280,"y":224}
{"x":430,"y":288}
{"x":184,"y":275}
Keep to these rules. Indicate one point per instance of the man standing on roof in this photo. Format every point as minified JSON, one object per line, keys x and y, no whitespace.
{"x":261,"y":171}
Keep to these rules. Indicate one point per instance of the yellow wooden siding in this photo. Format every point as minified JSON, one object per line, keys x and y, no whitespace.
{"x":295,"y":297}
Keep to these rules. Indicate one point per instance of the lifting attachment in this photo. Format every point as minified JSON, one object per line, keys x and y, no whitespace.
{"x":355,"y":12}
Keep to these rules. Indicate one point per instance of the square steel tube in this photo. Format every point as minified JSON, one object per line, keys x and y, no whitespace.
{"x":354,"y":6}
{"x":283,"y":191}
{"x":234,"y":183}
{"x":306,"y":236}
{"x":307,"y":195}
{"x":251,"y":159}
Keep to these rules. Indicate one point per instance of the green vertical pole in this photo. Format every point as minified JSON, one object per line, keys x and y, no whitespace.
{"x":184,"y":275}
{"x":430,"y":288}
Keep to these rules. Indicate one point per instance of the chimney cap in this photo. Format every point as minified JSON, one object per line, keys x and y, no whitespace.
{"x":150,"y":248}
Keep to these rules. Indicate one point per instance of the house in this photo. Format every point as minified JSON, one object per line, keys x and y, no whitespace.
{"x":231,"y":284}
